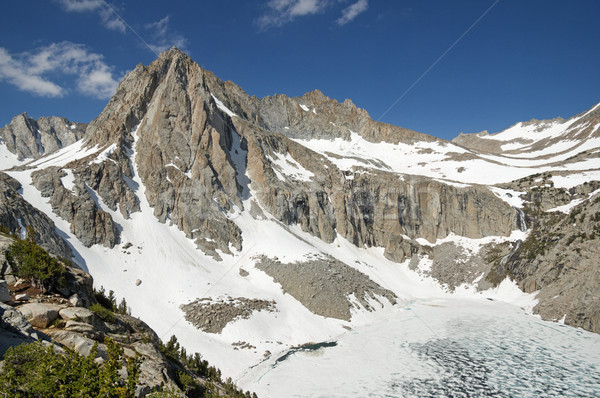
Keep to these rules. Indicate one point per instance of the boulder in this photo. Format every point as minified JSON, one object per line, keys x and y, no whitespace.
{"x":77,"y":314}
{"x":79,"y":343}
{"x":4,"y":293}
{"x":22,"y":297}
{"x":40,"y":314}
{"x":14,"y":329}
{"x":80,"y":327}
{"x":11,"y":318}
{"x":76,"y":300}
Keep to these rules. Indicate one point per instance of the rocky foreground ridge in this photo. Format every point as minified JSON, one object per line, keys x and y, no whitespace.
{"x":205,"y":152}
{"x":71,"y":317}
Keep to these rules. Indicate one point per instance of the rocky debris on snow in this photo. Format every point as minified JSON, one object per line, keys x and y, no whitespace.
{"x":326,"y":286}
{"x":212,"y":316}
{"x":453,"y":265}
{"x":242,"y":345}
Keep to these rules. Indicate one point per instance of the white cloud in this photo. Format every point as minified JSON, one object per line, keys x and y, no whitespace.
{"x":12,"y":71}
{"x":352,"y":11}
{"x":81,"y":5}
{"x":35,"y":71}
{"x":281,"y":12}
{"x":97,"y":82}
{"x":108,"y":16}
{"x":163,"y":38}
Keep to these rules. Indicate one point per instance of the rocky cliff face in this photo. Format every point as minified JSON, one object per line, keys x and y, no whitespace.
{"x":369,"y":208}
{"x":559,"y":257}
{"x":90,"y":224}
{"x":29,"y":138}
{"x":16,"y":214}
{"x":187,"y":140}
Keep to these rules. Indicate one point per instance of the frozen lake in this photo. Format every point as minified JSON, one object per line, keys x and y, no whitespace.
{"x":438,"y":348}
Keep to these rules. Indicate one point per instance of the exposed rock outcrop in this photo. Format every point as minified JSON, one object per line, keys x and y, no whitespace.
{"x":369,"y":208}
{"x":17,"y":214}
{"x":193,"y":156}
{"x":14,"y":329}
{"x":181,"y":151}
{"x":560,"y":259}
{"x":29,"y":138}
{"x":55,"y":320}
{"x":90,"y":224}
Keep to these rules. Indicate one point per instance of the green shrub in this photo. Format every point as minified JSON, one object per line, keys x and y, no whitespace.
{"x":30,"y":261}
{"x":103,"y":312}
{"x":32,"y":370}
{"x":197,"y":366}
{"x":109,"y":302}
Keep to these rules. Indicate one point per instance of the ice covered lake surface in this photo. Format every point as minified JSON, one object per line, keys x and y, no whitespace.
{"x":440,"y":348}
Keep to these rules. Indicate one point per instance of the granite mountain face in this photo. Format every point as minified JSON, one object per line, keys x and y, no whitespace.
{"x":186,"y":158}
{"x":297,"y":195}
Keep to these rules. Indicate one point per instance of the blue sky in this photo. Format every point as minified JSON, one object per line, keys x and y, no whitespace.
{"x":515,"y":60}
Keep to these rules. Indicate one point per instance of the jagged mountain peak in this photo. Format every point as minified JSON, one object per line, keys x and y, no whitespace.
{"x":311,"y":115}
{"x":28,"y":138}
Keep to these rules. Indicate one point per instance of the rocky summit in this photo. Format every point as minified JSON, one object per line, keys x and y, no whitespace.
{"x":186,"y":191}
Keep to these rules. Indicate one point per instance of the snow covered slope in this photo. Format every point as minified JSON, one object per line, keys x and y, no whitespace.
{"x":173,"y":272}
{"x":524,"y":149}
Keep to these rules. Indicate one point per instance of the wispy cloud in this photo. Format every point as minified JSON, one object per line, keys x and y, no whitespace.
{"x":281,"y":12}
{"x":352,"y":11}
{"x":162,"y":36}
{"x":37,"y":71}
{"x":108,"y":16}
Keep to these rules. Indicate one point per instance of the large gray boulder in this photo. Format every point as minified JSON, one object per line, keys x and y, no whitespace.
{"x":79,"y":343}
{"x":77,"y":313}
{"x":14,"y":328}
{"x":40,"y":315}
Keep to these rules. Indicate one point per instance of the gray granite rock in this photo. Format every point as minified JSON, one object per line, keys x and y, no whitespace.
{"x":40,"y":315}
